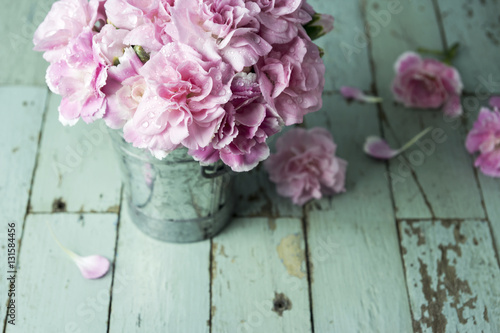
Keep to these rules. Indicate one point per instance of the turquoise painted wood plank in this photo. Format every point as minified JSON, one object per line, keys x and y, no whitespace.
{"x":491,"y":195}
{"x":77,"y":168}
{"x":166,"y":287}
{"x":476,"y":26}
{"x":19,"y":64}
{"x":436,"y":172}
{"x":52,"y":295}
{"x":452,"y":276}
{"x":23,"y":108}
{"x":345,"y":49}
{"x":490,"y":187}
{"x":357,"y":274}
{"x":259,"y":283}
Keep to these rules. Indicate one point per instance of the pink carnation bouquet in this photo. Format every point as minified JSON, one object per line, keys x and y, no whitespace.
{"x":218,"y":77}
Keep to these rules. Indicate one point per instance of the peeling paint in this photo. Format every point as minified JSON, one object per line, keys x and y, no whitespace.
{"x":222,"y":251}
{"x":113,"y":209}
{"x":214,"y":262}
{"x":291,"y":255}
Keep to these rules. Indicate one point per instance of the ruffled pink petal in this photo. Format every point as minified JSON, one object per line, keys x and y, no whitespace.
{"x":378,"y":148}
{"x":406,"y":61}
{"x":245,"y":162}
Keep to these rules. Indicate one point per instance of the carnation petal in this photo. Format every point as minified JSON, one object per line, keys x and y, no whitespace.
{"x":92,"y":267}
{"x":378,"y":148}
{"x":357,"y":94}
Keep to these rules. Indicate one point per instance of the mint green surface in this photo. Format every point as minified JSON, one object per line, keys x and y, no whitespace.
{"x":417,"y":252}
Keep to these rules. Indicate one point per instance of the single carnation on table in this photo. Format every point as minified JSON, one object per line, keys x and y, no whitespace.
{"x":216,"y":77}
{"x":427,"y":84}
{"x":305,"y":166}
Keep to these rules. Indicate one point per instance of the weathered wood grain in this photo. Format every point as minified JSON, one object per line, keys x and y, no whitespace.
{"x":452,"y":276}
{"x":357,"y":275}
{"x":259,"y":283}
{"x":168,"y":288}
{"x":475,"y":25}
{"x":345,"y":50}
{"x":52,"y":295}
{"x":23,"y":109}
{"x":19,"y":63}
{"x":77,"y":169}
{"x":491,"y":195}
{"x":434,"y":171}
{"x":490,"y":186}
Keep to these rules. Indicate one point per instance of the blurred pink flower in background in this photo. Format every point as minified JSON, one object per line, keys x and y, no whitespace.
{"x":427,"y":83}
{"x":305,"y":166}
{"x":485,"y":139}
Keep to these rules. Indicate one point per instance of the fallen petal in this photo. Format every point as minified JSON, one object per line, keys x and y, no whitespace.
{"x":357,"y":94}
{"x":92,"y":267}
{"x":378,"y":148}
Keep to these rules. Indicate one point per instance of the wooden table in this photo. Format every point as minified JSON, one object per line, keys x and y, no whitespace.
{"x":412,"y":246}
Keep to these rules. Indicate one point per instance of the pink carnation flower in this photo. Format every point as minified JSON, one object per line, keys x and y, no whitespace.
{"x":292,"y":78}
{"x":78,"y":78}
{"x":64,"y":22}
{"x":485,"y":139}
{"x":427,"y":83}
{"x":281,"y":20}
{"x":183,"y":103}
{"x":240,"y":141}
{"x":234,"y":25}
{"x":305,"y":166}
{"x":108,"y":44}
{"x":124,"y":89}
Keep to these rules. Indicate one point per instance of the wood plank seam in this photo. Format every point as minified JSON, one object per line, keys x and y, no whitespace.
{"x":113,"y":268}
{"x":211,"y":277}
{"x":19,"y":241}
{"x":309,"y":268}
{"x":439,"y":20}
{"x":383,"y":118}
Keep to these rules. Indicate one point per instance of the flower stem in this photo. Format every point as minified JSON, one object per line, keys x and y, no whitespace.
{"x":71,"y":254}
{"x":414,"y":140}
